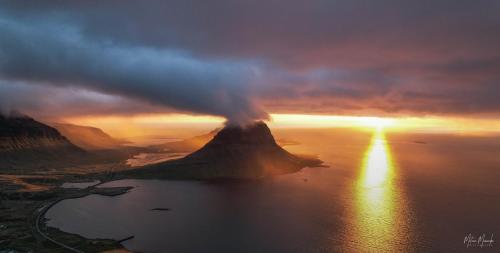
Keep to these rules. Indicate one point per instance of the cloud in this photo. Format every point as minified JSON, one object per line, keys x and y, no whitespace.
{"x":54,"y":103}
{"x":231,"y":58}
{"x":58,"y":55}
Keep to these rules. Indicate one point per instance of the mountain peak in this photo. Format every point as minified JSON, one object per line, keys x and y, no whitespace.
{"x":235,"y":152}
{"x":257,"y":133}
{"x":25,"y":142}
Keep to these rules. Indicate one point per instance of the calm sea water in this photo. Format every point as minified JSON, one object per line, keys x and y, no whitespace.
{"x":382,"y":193}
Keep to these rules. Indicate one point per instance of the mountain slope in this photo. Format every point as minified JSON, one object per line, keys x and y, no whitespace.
{"x":26,"y":142}
{"x":197,"y":142}
{"x":22,"y":133}
{"x":190,"y":144}
{"x":234,"y":152}
{"x":88,"y":138}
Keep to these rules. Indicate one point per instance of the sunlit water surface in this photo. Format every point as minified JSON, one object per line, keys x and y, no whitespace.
{"x":382,"y":193}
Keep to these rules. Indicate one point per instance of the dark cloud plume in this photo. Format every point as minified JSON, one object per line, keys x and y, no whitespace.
{"x":54,"y":103}
{"x":219,"y":56}
{"x":58,"y":55}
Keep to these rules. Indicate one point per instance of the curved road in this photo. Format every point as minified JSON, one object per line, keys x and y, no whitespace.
{"x":40,"y":212}
{"x":38,"y":218}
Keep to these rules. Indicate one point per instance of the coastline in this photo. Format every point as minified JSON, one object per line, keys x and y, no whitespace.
{"x":106,"y":244}
{"x":23,"y":223}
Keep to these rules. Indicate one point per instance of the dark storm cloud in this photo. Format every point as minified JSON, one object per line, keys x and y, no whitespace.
{"x":297,"y":56}
{"x":55,"y":103}
{"x":54,"y":54}
{"x":277,"y":28}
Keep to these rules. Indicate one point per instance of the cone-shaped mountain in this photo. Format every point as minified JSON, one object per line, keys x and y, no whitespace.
{"x":234,"y":152}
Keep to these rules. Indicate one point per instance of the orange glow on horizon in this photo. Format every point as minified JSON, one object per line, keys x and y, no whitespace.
{"x":326,"y":121}
{"x":126,"y":126}
{"x":434,"y":124}
{"x":149,"y":124}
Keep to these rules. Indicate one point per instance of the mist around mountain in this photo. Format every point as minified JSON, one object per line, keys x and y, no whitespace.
{"x":233,"y":152}
{"x":194,"y":143}
{"x":88,"y":138}
{"x":190,"y":144}
{"x":30,"y":146}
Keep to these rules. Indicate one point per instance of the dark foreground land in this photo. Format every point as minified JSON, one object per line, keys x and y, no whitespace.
{"x":24,"y":199}
{"x":36,"y":160}
{"x":22,"y":226}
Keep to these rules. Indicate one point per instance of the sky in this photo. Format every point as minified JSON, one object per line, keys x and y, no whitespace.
{"x":244,"y":60}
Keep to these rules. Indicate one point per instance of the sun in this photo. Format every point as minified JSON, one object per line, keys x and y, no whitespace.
{"x":377,"y":122}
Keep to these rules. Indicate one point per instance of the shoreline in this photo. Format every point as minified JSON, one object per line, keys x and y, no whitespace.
{"x":23,"y":226}
{"x":40,"y":220}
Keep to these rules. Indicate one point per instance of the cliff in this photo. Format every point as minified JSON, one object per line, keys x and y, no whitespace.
{"x":25,"y":142}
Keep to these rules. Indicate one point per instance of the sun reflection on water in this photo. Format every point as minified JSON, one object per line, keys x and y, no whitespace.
{"x":378,"y":209}
{"x":377,"y":168}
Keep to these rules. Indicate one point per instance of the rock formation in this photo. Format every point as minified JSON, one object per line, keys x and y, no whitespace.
{"x":235,"y":152}
{"x":25,"y":142}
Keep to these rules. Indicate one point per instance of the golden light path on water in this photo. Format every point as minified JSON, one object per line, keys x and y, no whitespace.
{"x":379,"y":210}
{"x":377,"y":170}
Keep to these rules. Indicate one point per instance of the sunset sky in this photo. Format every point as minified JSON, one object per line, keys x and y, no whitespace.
{"x":432,"y":65}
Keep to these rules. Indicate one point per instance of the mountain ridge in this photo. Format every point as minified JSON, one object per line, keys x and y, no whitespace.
{"x":235,"y":152}
{"x":24,"y":133}
{"x":28,"y":144}
{"x":87,"y":137}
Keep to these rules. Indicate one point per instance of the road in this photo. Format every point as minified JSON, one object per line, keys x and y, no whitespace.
{"x":39,"y":213}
